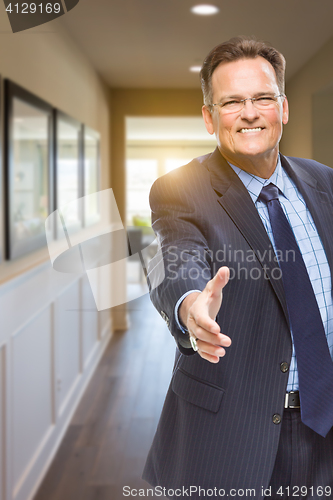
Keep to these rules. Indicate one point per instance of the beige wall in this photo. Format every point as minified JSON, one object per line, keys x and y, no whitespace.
{"x":50,"y":65}
{"x":136,"y":102}
{"x":53,"y":67}
{"x":316,"y":74}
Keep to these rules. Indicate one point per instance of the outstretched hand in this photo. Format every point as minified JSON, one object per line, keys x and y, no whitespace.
{"x":198,"y":312}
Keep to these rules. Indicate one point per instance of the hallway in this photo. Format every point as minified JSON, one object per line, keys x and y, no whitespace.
{"x":109,"y":436}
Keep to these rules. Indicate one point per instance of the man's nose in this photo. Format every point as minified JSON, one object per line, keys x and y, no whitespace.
{"x":249,"y":111}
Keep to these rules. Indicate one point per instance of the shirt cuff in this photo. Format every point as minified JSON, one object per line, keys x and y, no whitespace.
{"x":177,"y":307}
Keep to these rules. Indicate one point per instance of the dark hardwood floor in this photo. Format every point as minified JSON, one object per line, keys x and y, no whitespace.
{"x":106,"y":444}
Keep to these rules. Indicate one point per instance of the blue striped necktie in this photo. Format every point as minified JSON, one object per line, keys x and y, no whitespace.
{"x":314,"y":362}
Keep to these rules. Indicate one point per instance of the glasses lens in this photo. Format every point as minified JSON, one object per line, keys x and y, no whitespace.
{"x":265,"y":102}
{"x":235,"y":106}
{"x":232,"y":106}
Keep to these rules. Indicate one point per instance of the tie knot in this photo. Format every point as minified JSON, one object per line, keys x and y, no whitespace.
{"x":269,"y":193}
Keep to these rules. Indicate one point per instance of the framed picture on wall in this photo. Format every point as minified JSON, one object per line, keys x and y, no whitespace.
{"x":91,"y":175}
{"x":68,"y":170}
{"x":28,"y":169}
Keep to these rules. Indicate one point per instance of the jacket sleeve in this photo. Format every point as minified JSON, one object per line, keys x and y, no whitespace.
{"x":177,"y":221}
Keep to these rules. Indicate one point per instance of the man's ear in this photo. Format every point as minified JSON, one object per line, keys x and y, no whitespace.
{"x":285,"y":111}
{"x":208,"y":119}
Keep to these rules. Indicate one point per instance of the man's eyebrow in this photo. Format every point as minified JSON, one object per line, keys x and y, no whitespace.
{"x":238,"y":96}
{"x":258,"y":94}
{"x":228,"y":97}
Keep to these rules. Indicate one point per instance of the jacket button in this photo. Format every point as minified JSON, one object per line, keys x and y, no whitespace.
{"x":276,"y":419}
{"x":284,"y":367}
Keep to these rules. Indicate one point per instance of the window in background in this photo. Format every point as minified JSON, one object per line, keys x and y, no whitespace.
{"x":140,"y":175}
{"x":172,"y":163}
{"x":154,"y":147}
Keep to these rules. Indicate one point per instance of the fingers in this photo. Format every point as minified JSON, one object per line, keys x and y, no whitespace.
{"x":207,"y":336}
{"x":201,"y":318}
{"x":209,"y":357}
{"x":210,"y":345}
{"x":211,"y":352}
{"x":203,"y":321}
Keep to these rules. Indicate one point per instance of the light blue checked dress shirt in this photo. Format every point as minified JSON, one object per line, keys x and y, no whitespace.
{"x":308,"y":241}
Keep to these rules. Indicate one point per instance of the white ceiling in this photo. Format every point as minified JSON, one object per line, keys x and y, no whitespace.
{"x":152,"y":43}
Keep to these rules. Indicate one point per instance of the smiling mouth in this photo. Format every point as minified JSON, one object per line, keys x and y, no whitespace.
{"x":247,"y":130}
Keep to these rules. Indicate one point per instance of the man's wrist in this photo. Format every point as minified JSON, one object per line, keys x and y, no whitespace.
{"x":185,"y":306}
{"x":177,"y":306}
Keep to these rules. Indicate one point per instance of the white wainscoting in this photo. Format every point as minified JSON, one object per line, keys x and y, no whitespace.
{"x":51,"y":339}
{"x":89,"y":327}
{"x":2,"y":422}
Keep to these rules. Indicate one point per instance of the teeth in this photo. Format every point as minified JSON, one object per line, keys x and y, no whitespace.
{"x":245,"y":130}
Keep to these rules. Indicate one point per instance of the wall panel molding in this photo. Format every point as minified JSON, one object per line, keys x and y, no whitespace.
{"x":55,"y":334}
{"x":3,"y":392}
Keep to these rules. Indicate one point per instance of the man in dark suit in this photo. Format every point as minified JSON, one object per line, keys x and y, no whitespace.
{"x":259,"y":226}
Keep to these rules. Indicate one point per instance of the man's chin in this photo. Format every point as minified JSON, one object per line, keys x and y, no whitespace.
{"x":253,"y":151}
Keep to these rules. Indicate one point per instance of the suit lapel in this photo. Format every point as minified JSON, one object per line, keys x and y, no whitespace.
{"x":236,"y":201}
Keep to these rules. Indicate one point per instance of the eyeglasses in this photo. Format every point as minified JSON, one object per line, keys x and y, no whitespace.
{"x":235,"y":105}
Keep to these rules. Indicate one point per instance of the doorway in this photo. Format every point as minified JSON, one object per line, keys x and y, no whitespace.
{"x":154,"y":147}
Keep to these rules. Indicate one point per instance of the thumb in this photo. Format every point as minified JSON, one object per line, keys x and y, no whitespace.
{"x":214,"y":289}
{"x":219,"y":281}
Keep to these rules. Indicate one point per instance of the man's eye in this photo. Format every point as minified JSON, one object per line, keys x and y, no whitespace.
{"x":264,"y":99}
{"x":230,"y":103}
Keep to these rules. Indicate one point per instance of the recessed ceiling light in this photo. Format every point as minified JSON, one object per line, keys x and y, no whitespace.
{"x":205,"y":10}
{"x":195,"y":69}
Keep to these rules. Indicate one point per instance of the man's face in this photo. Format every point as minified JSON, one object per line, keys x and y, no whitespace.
{"x":248,"y":138}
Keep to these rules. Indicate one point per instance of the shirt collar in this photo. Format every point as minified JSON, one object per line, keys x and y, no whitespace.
{"x":254,"y":184}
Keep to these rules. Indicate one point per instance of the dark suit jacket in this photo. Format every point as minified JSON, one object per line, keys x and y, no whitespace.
{"x":218,"y":426}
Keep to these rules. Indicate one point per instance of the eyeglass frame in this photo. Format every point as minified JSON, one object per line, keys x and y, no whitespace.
{"x":243,"y":101}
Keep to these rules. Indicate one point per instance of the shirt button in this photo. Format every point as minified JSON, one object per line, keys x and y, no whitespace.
{"x":276,"y":419}
{"x":284,"y":367}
